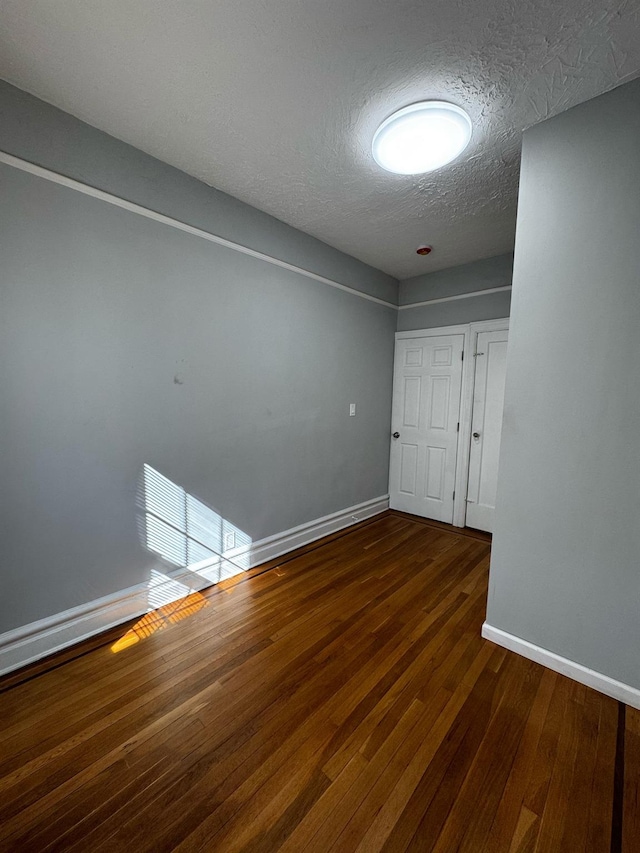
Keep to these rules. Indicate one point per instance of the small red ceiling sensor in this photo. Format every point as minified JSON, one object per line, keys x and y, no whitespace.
{"x":424,"y":250}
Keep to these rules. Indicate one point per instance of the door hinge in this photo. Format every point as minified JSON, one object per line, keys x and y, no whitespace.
{"x":454,"y":495}
{"x":458,"y":427}
{"x":462,"y":355}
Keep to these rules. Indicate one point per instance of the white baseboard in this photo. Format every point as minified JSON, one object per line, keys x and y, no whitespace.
{"x":36,"y":640}
{"x":609,"y":686}
{"x":32,"y":642}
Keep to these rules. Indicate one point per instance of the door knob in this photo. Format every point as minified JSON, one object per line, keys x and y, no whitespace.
{"x":396,"y":435}
{"x":476,"y":435}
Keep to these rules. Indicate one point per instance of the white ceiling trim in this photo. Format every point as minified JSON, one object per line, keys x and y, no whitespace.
{"x":109,"y":198}
{"x":85,"y":189}
{"x":453,"y":298}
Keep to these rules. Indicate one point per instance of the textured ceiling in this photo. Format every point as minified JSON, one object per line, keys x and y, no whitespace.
{"x":275,"y":101}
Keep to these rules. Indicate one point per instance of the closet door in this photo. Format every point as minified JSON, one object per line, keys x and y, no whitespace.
{"x":486,"y":428}
{"x":425,"y":416}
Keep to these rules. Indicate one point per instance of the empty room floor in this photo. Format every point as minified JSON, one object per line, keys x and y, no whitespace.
{"x":340,"y":699}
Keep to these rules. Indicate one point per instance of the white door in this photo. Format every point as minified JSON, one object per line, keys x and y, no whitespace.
{"x":425,"y":415}
{"x":486,"y":428}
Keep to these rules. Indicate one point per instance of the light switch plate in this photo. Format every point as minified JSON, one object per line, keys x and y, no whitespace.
{"x":352,"y":410}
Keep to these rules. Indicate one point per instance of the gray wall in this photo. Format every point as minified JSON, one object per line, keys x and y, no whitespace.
{"x":565,"y":572}
{"x":467,"y":278}
{"x":124,"y":341}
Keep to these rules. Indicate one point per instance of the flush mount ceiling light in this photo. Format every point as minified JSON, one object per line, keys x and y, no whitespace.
{"x":421,"y":137}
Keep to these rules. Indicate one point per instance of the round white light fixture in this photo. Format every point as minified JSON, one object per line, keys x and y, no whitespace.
{"x":421,"y":137}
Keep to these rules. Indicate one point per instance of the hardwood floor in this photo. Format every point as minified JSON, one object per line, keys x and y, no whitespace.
{"x":342,"y":700}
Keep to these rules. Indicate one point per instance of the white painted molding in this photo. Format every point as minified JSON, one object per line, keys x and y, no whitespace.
{"x":454,"y":298}
{"x":464,"y":433}
{"x":603,"y":683}
{"x":490,"y":325}
{"x":32,"y":642}
{"x":85,"y":189}
{"x":36,"y":640}
{"x":198,"y":576}
{"x":296,"y":537}
{"x":434,"y":332}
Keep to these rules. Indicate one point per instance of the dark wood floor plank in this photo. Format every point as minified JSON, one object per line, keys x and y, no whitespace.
{"x":470,"y":816}
{"x":631,"y":802}
{"x":513,"y":820}
{"x":338,"y":699}
{"x":395,"y":806}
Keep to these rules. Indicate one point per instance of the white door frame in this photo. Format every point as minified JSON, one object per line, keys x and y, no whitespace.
{"x":470,"y":332}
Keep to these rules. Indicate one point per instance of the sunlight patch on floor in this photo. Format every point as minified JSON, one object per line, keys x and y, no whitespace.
{"x":161,"y":618}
